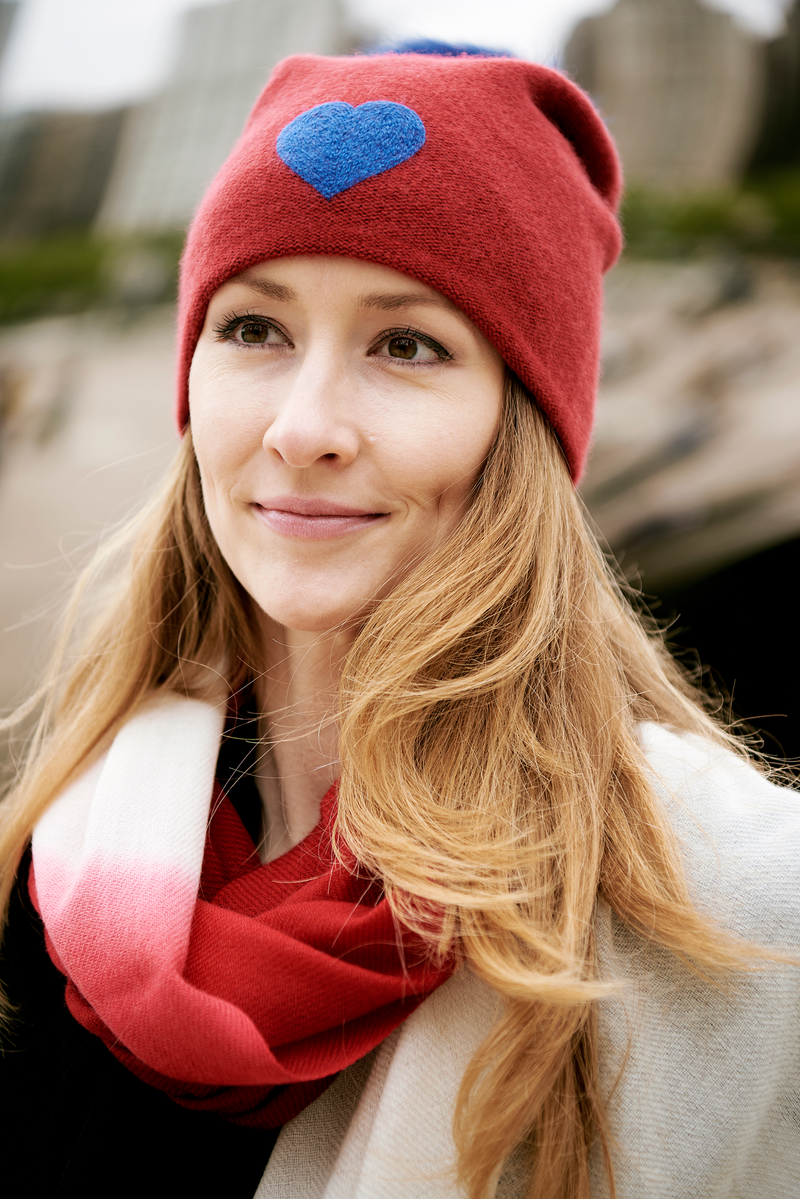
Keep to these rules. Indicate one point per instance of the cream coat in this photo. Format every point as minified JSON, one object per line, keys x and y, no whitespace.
{"x":708,"y":1104}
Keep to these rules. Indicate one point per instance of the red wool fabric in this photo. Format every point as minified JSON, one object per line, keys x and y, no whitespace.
{"x":303,"y":946}
{"x":508,"y":209}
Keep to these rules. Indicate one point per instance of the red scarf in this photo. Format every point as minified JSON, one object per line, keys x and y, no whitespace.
{"x":306,"y":948}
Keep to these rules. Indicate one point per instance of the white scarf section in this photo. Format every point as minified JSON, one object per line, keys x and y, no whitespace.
{"x":117,"y":863}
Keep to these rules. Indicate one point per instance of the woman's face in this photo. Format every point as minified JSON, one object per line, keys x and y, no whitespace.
{"x":340,"y":412}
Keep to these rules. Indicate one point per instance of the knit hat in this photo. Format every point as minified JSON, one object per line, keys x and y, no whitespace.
{"x":491,"y":179}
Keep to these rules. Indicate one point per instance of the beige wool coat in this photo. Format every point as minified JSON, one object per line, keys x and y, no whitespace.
{"x":708,"y":1103}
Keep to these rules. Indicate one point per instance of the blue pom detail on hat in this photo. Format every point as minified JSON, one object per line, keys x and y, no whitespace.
{"x":426,"y":45}
{"x":334,"y":146}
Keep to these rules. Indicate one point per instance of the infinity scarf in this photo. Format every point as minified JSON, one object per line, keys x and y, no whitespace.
{"x":235,"y":987}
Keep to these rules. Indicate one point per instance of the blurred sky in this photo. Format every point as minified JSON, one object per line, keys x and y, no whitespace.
{"x":97,"y":53}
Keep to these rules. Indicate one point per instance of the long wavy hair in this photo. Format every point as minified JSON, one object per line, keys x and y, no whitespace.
{"x":491,"y":772}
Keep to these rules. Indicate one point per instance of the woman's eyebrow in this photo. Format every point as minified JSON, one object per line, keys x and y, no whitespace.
{"x":266,"y":287}
{"x":386,"y":301}
{"x":393,"y":301}
{"x":389,"y":301}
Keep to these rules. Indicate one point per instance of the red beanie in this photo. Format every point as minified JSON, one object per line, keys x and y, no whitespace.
{"x":493,"y":180}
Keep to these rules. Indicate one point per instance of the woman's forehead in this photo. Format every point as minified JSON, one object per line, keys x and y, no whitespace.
{"x":378,"y":286}
{"x":359,"y":283}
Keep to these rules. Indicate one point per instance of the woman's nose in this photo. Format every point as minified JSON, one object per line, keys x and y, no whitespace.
{"x":312,"y":423}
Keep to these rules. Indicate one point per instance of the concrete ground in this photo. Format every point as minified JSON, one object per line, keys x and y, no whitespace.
{"x":85,"y":433}
{"x":696,"y":461}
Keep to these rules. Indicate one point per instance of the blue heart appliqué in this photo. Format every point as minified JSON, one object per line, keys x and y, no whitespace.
{"x":333,"y":146}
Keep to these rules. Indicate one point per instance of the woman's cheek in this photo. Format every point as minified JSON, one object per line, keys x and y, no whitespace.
{"x":455,"y":456}
{"x":226,"y":429}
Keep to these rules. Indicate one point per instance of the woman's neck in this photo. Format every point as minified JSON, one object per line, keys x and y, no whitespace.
{"x":297,"y":698}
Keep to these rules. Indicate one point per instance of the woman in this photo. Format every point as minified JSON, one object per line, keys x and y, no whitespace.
{"x":513,"y":950}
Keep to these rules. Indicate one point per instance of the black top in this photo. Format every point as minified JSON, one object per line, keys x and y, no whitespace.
{"x":75,"y":1122}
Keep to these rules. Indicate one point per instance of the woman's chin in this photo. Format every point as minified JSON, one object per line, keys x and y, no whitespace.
{"x":313,"y":619}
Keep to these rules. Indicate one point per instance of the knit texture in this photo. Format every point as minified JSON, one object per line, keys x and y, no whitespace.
{"x":492,"y":180}
{"x":235,"y":987}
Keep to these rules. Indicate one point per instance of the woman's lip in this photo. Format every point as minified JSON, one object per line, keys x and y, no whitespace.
{"x":312,"y":506}
{"x":315,"y":525}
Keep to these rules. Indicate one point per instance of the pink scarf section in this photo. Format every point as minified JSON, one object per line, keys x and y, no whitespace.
{"x":233,"y":986}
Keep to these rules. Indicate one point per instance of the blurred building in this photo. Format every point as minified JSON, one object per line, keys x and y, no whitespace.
{"x":778,"y":144}
{"x":54,"y":166}
{"x":54,"y":169}
{"x":680,"y":85}
{"x":172,"y":145}
{"x":8,"y":10}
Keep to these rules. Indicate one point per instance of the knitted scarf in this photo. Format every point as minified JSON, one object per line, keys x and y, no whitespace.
{"x":235,"y":987}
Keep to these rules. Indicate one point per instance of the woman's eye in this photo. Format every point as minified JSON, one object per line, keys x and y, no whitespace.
{"x":256,"y":333}
{"x":406,"y":347}
{"x":252,"y":331}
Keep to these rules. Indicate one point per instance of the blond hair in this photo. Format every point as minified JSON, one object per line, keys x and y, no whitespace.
{"x":491,"y":772}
